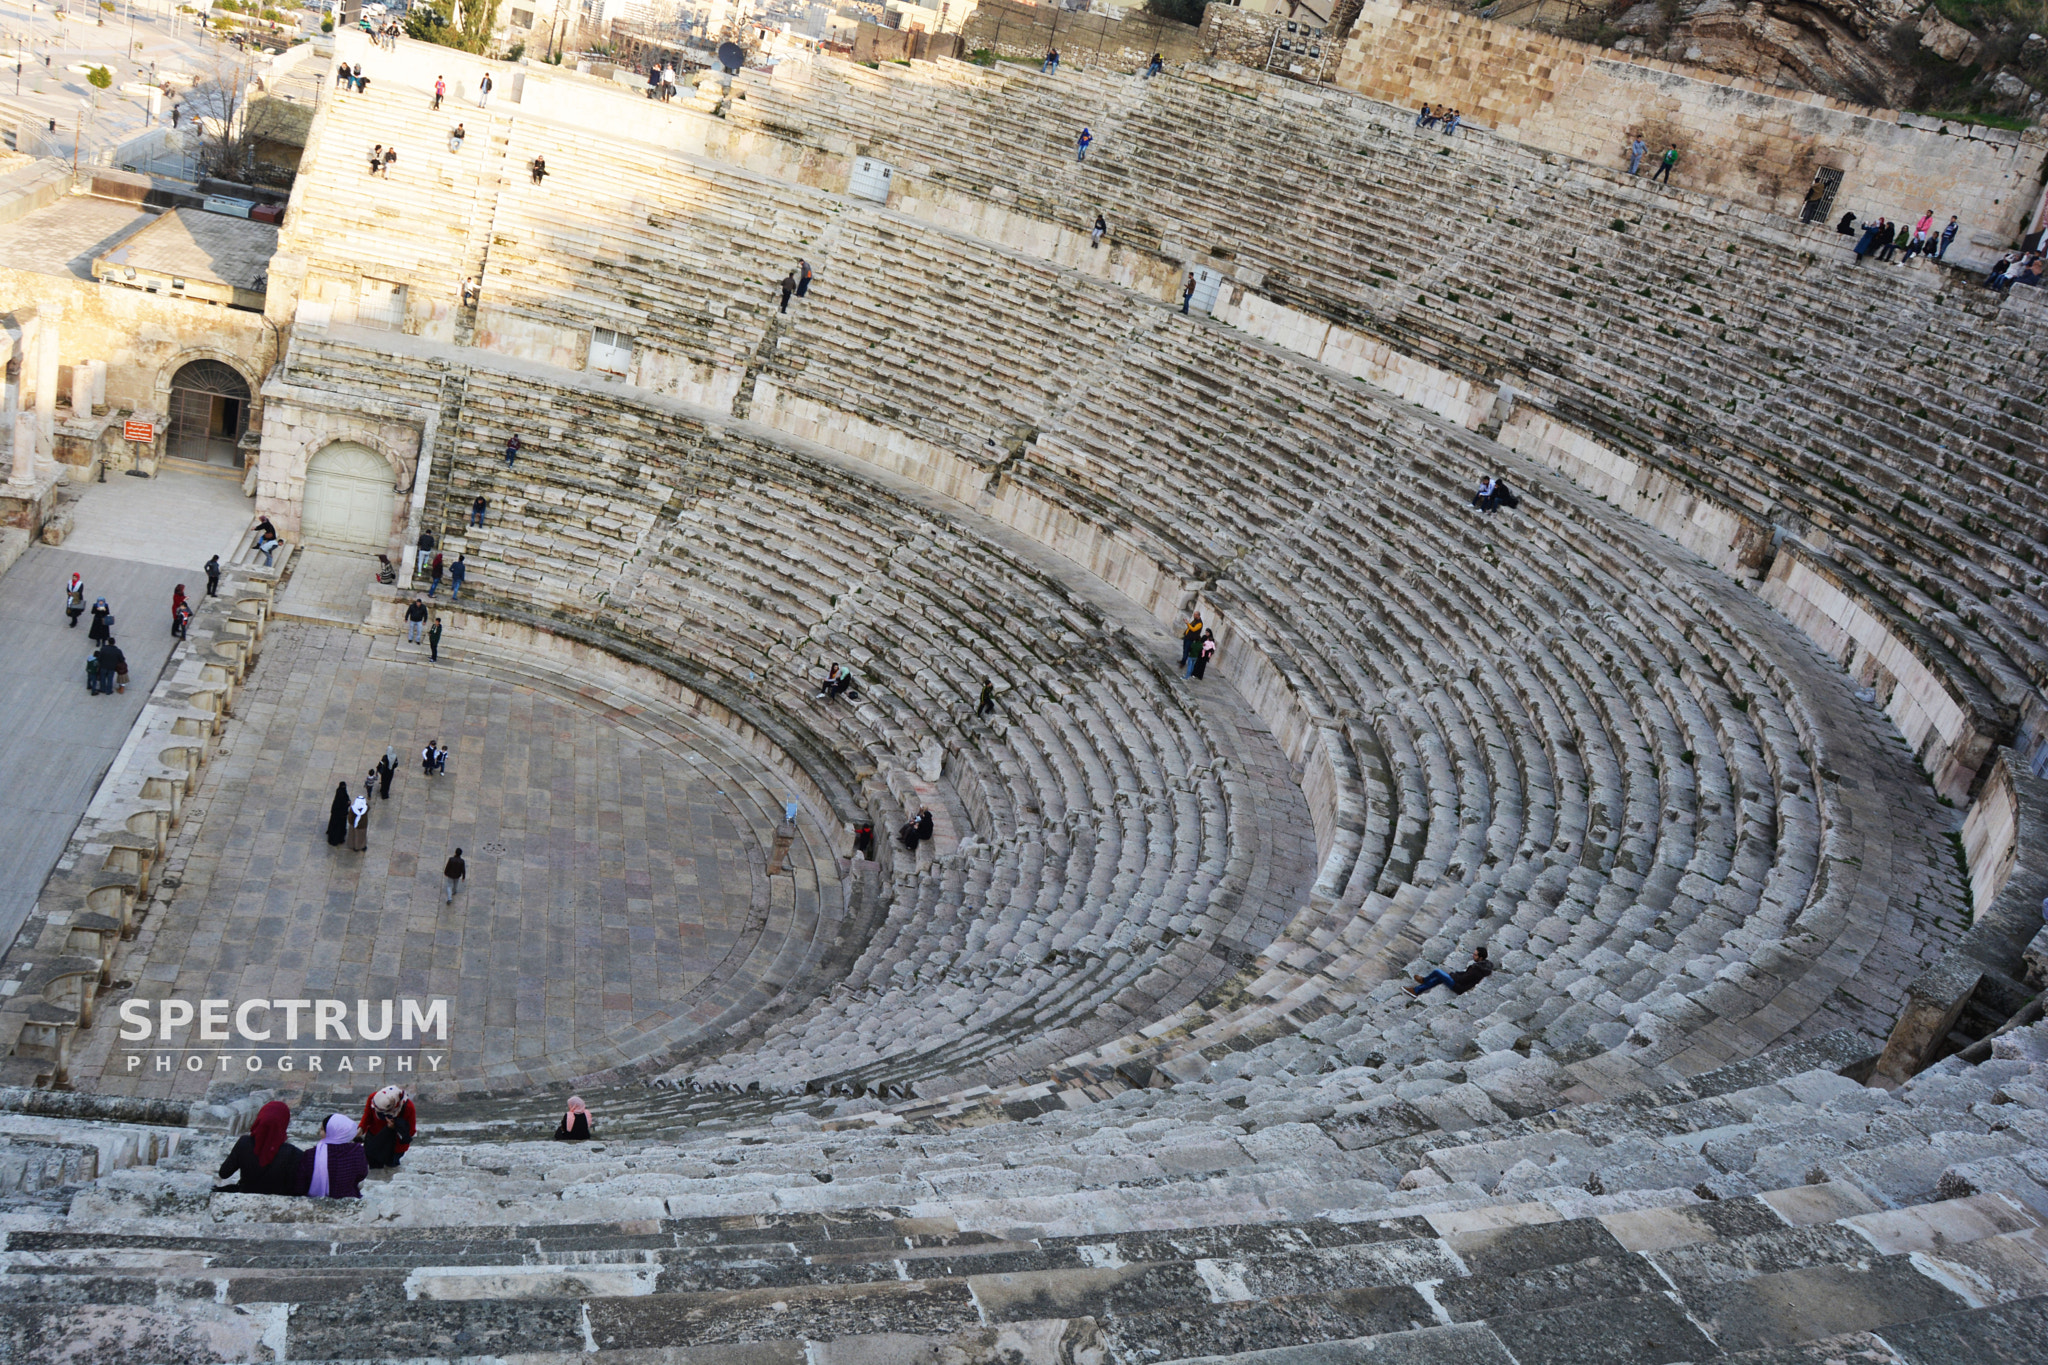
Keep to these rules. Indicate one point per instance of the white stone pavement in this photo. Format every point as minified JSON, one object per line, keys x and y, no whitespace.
{"x":176,"y":519}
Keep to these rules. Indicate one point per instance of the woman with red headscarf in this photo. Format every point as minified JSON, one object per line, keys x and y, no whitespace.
{"x":389,"y":1122}
{"x":265,"y":1162}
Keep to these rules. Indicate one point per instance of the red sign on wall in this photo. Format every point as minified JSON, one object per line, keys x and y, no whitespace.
{"x":139,"y":431}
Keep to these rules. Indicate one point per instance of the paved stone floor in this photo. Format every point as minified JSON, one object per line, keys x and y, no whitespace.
{"x":59,"y":740}
{"x":329,"y":586}
{"x":616,"y":894}
{"x":177,"y":519}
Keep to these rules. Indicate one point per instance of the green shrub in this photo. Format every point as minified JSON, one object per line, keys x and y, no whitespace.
{"x":327,"y":26}
{"x":1619,"y":225}
{"x":99,"y":78}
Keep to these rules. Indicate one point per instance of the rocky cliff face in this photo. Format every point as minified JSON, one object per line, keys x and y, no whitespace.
{"x":1883,"y":52}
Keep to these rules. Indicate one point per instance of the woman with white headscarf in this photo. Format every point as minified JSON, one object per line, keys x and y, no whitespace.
{"x":389,"y":1122}
{"x":359,"y":822}
{"x":335,"y":1167}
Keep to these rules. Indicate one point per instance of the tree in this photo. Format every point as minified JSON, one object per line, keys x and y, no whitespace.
{"x":225,"y":125}
{"x":99,"y":78}
{"x":465,"y":27}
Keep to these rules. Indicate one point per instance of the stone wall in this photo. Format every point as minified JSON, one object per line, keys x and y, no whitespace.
{"x":1738,"y":139}
{"x":873,"y":43}
{"x":1123,"y":40}
{"x":143,"y":338}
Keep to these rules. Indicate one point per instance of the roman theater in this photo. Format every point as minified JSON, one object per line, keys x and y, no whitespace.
{"x":1723,"y":734}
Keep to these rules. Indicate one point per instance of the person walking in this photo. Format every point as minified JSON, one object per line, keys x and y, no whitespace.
{"x":1664,"y":166}
{"x":456,"y":573}
{"x":434,"y":649}
{"x":477,"y":510}
{"x":803,"y":278}
{"x":102,"y":628}
{"x":1082,"y":144}
{"x":483,"y":91}
{"x":181,"y":613}
{"x":1190,"y":644}
{"x":416,"y":622}
{"x":427,"y":760}
{"x":435,"y":570}
{"x":987,"y":704}
{"x":512,"y":447}
{"x":1187,"y":292}
{"x":74,"y":599}
{"x":1948,"y":235}
{"x":453,"y":872}
{"x":359,"y":823}
{"x":213,"y":576}
{"x":386,"y":770}
{"x":788,"y":287}
{"x":1636,"y":150}
{"x":441,"y":761}
{"x":1095,"y":233}
{"x":337,"y":816}
{"x":440,"y":89}
{"x":1203,"y":653}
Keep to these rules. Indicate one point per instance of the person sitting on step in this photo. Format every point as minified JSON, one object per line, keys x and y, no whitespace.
{"x":388,"y":1124}
{"x":575,"y":1124}
{"x":261,"y":1161}
{"x":1459,"y":982}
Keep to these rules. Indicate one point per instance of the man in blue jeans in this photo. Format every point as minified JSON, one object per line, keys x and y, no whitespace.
{"x":1459,"y":982}
{"x":456,"y":573}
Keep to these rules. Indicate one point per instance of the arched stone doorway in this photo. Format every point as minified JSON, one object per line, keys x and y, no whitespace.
{"x":349,"y":502}
{"x":209,"y":413}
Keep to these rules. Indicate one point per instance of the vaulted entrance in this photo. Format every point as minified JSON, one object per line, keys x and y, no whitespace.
{"x":209,"y":413}
{"x":349,"y":500}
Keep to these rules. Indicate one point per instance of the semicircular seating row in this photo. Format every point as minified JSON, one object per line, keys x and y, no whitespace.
{"x":1620,"y":787}
{"x":1115,"y":861}
{"x":1886,"y":419}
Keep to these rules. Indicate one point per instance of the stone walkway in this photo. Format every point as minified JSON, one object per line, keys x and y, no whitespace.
{"x":176,"y":519}
{"x":328,"y":586}
{"x":616,"y":891}
{"x":59,"y":740}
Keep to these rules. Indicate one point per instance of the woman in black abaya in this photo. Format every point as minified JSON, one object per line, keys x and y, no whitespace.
{"x":337,"y":816}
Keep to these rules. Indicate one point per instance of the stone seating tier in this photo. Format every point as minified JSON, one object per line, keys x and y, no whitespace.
{"x":1923,"y":485}
{"x":1105,"y":818}
{"x":1765,"y":1210}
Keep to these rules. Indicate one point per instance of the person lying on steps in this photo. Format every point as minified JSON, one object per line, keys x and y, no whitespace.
{"x":1459,"y":982}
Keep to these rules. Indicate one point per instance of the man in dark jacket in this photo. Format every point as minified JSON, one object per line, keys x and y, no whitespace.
{"x":113,"y":668}
{"x":1459,"y":982}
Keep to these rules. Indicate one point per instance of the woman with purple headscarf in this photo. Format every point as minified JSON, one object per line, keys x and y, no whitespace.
{"x":335,"y":1167}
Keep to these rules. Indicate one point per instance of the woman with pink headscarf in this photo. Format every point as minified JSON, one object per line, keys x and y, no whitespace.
{"x":335,"y":1167}
{"x":575,"y":1125}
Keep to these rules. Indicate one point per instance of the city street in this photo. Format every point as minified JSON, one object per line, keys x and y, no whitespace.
{"x":142,"y":43}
